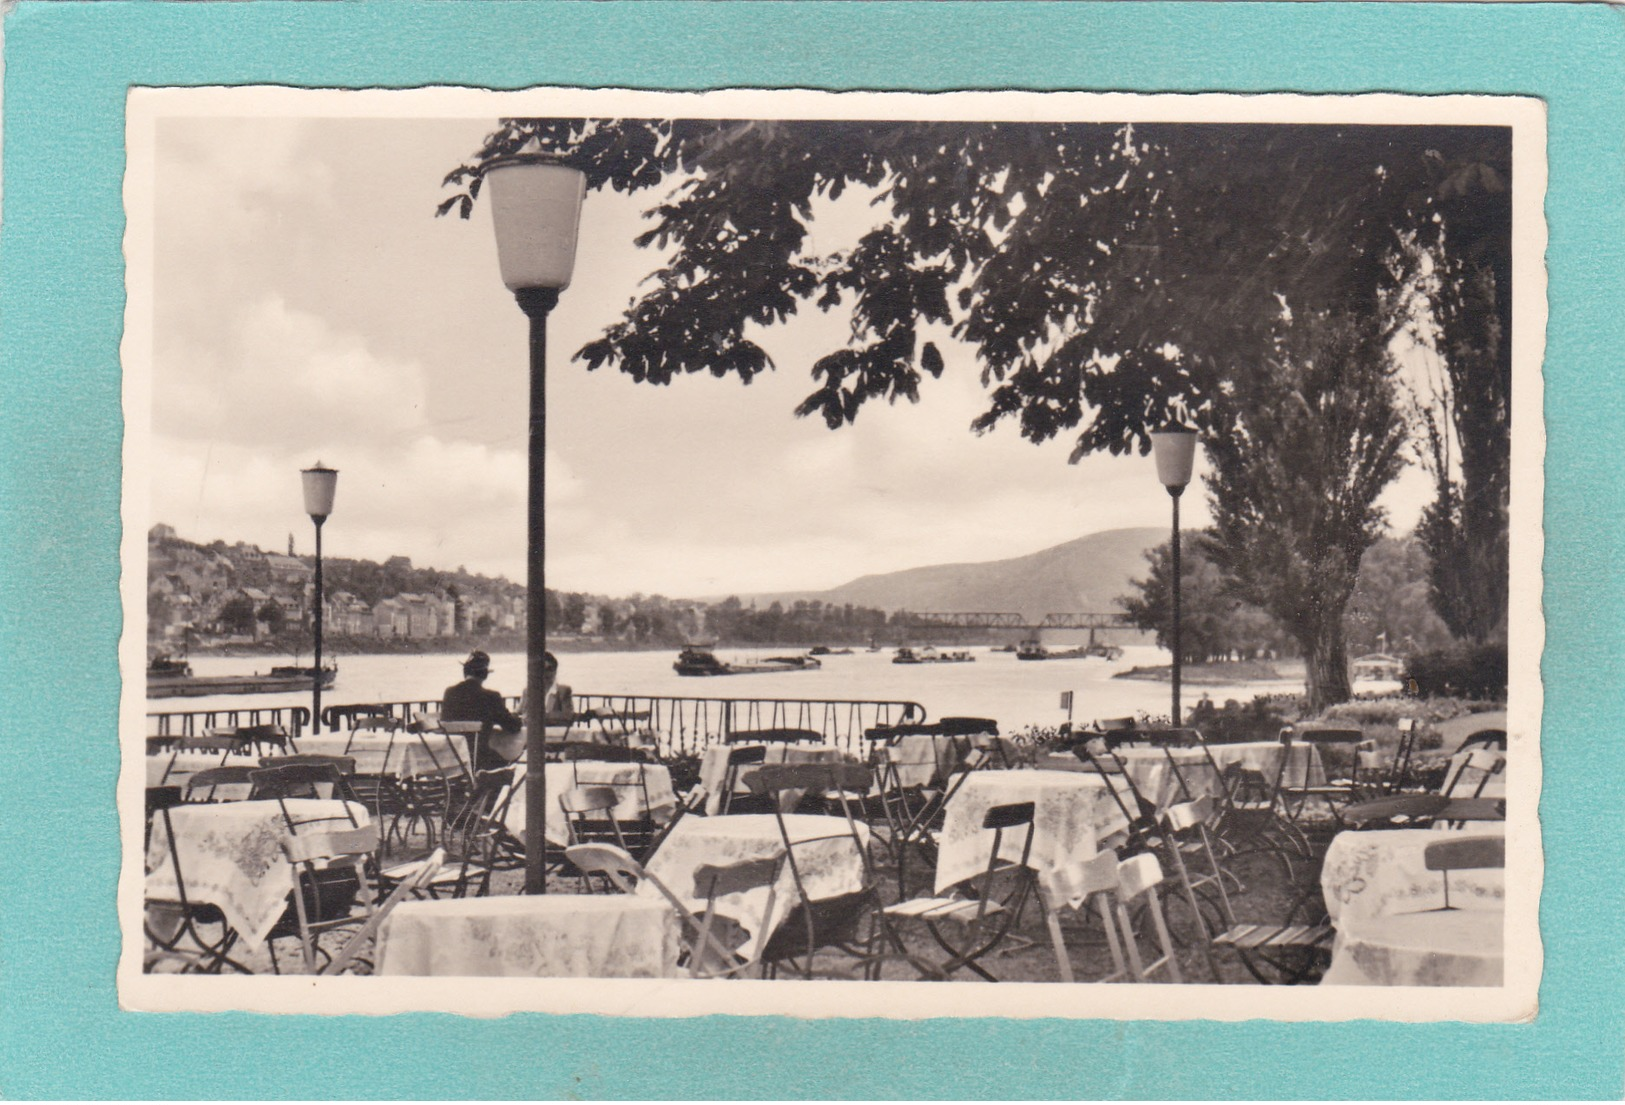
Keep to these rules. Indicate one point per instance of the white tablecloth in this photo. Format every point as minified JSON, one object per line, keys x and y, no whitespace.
{"x":231,"y":857}
{"x":1457,"y":947}
{"x":1387,"y":906}
{"x":399,"y":754}
{"x":660,"y":806}
{"x":714,"y":766}
{"x":1380,"y":873}
{"x":540,"y":936}
{"x":1073,"y":814}
{"x":830,"y":865}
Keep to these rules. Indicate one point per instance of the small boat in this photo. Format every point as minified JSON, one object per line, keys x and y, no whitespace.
{"x":1031,"y":649}
{"x":825,"y":650}
{"x":168,"y":677}
{"x":929,"y":655}
{"x":695,"y":660}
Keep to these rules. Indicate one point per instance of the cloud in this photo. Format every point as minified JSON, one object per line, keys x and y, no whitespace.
{"x":286,"y":377}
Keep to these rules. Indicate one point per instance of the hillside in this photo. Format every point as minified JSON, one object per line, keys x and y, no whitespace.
{"x":1078,"y":576}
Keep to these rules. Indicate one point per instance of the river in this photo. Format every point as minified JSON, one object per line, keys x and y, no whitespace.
{"x":996,"y":685}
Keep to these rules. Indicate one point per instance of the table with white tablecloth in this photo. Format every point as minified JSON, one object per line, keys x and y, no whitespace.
{"x":830,"y":861}
{"x":641,"y":791}
{"x":1074,"y":815}
{"x":714,"y":766}
{"x":532,"y":936}
{"x":231,"y":856}
{"x":928,"y":759}
{"x":1382,"y":872}
{"x":1387,"y":907}
{"x":401,"y":754}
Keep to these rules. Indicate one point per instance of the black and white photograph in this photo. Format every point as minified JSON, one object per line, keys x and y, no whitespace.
{"x":840,"y":554}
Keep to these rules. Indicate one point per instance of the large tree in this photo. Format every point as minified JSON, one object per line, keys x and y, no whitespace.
{"x":1315,"y":438}
{"x":1106,"y":276}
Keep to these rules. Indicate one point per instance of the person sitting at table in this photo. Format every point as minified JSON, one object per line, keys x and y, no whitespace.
{"x":559,"y":702}
{"x":471,"y":700}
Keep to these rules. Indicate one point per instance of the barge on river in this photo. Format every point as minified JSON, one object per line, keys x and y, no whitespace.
{"x":170,"y":678}
{"x":702,"y":661}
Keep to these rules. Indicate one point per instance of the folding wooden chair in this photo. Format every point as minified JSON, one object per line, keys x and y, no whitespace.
{"x":835,"y":922}
{"x":982,"y":914}
{"x":704,"y":955}
{"x":738,"y":760}
{"x":1338,"y":751}
{"x":1138,"y":877}
{"x":331,"y":869}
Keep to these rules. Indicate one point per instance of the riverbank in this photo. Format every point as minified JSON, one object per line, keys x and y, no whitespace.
{"x":1214,"y":675}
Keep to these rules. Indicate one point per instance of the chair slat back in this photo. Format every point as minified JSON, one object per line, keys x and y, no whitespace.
{"x":614,"y":863}
{"x":716,"y":880}
{"x":1466,"y":854}
{"x":776,"y":736}
{"x":295,"y":781}
{"x":212,"y":778}
{"x":1136,"y":875}
{"x":225,"y":745}
{"x":591,"y":799}
{"x":345,"y":765}
{"x":331,"y":845}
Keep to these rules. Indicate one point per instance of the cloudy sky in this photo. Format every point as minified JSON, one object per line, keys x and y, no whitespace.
{"x":308,"y":305}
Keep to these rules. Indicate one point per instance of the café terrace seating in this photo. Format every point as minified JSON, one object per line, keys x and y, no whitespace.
{"x":1194,"y":861}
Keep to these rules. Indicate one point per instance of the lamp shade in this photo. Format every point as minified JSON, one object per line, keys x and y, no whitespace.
{"x":1175,"y":449}
{"x":536,"y":209}
{"x":320,"y":483}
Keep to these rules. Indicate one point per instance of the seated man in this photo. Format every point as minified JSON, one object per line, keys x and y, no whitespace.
{"x":470,"y":700}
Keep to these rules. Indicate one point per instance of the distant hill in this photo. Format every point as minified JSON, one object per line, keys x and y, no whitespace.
{"x":1078,"y":576}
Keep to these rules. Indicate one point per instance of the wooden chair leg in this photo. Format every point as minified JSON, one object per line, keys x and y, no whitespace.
{"x":1161,"y":925}
{"x":1062,"y":961}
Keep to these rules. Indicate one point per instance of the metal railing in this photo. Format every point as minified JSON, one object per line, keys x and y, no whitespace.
{"x":197,"y":723}
{"x":685,"y":726}
{"x":682,"y":725}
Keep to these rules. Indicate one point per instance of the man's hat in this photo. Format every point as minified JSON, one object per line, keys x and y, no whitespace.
{"x":478,"y":663}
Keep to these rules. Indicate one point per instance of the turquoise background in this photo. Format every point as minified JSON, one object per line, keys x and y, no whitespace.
{"x":61,"y":302}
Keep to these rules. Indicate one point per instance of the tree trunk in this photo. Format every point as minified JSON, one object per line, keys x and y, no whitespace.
{"x":1326,"y":662}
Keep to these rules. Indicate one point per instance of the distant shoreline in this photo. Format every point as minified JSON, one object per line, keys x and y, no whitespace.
{"x":1218,"y":675}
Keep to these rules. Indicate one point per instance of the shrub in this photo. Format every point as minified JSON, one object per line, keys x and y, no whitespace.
{"x":1467,"y":672}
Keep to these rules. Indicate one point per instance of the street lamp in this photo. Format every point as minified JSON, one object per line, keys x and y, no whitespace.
{"x":536,"y":210}
{"x":1175,"y":449}
{"x":320,"y":483}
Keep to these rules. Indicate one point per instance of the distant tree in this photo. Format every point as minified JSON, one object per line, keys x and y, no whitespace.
{"x":483,"y":624}
{"x":1390,"y":608}
{"x":1315,"y":437}
{"x":237,"y":615}
{"x":272,"y":615}
{"x":1213,"y":622}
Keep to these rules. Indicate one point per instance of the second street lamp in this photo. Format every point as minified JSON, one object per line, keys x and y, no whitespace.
{"x":1175,"y":449}
{"x":319,"y":485}
{"x":536,"y":210}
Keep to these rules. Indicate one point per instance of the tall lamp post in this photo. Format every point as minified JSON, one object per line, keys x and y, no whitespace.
{"x":536,"y":210}
{"x":320,"y":482}
{"x":1175,"y":449}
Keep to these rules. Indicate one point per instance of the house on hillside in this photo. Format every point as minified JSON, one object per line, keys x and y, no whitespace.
{"x":289,"y":571}
{"x":346,"y":614}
